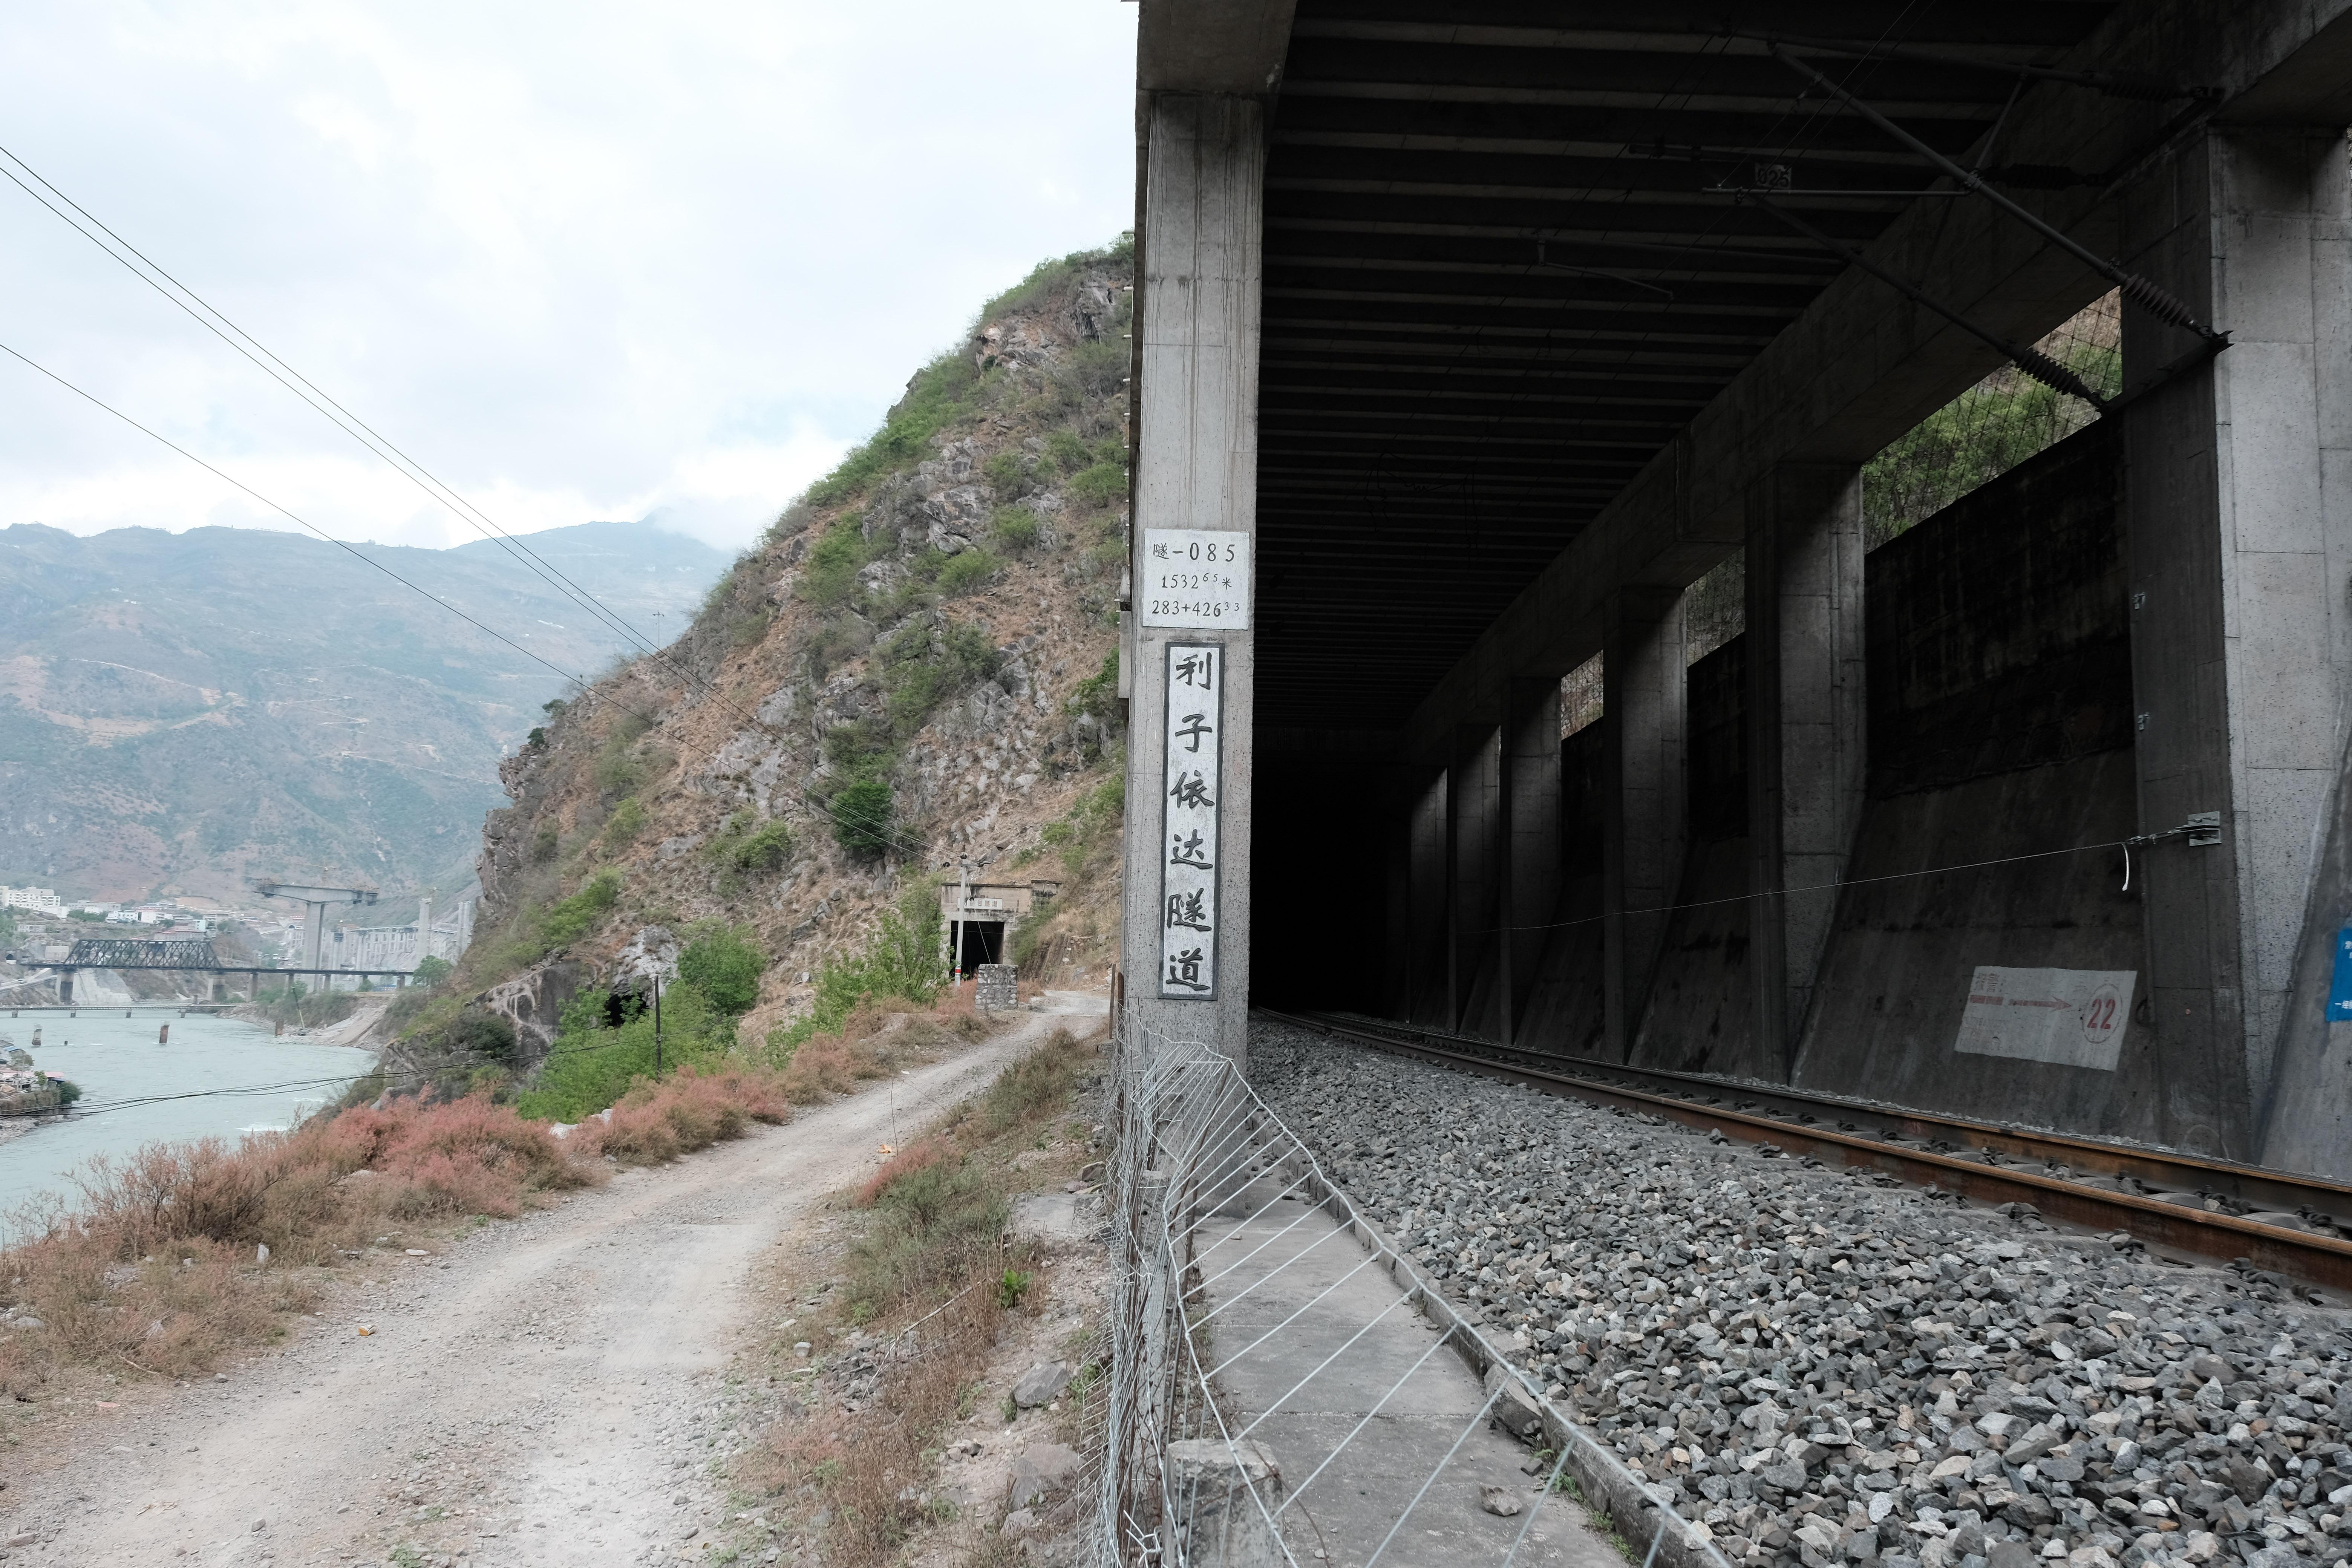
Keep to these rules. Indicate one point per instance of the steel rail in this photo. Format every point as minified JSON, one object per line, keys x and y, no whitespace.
{"x":1683,"y":1097}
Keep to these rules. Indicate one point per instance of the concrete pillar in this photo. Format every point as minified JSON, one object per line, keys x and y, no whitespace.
{"x":314,"y":931}
{"x":1529,"y":872}
{"x":1199,"y":263}
{"x":1429,"y":950}
{"x":1473,"y":845}
{"x":1642,"y":684}
{"x":2239,"y":531}
{"x":1807,"y":696}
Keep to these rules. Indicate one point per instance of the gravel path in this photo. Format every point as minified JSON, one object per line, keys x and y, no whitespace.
{"x":1829,"y":1370}
{"x":551,"y":1391}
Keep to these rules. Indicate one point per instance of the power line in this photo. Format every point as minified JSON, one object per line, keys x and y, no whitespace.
{"x":206,"y":315}
{"x":586,"y":688}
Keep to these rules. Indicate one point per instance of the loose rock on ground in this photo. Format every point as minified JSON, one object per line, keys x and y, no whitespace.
{"x":1824,"y":1369}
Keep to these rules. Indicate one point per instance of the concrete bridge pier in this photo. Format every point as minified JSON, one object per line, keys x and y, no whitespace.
{"x":1806,"y":697}
{"x":1428,"y":892}
{"x":1474,"y":850}
{"x":1199,"y":265}
{"x":1529,"y":876}
{"x":2238,"y":520}
{"x":1643,"y":677}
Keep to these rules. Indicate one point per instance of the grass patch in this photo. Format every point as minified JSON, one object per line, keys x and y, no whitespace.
{"x":933,"y":1262}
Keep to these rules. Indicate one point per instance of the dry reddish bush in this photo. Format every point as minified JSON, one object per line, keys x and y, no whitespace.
{"x":919,"y":1155}
{"x":156,"y":1266}
{"x":690,"y":1112}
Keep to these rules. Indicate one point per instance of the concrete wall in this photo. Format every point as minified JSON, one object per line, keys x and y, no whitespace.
{"x":1998,"y":651}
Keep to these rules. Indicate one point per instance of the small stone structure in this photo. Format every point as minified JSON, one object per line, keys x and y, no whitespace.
{"x":999,"y":989}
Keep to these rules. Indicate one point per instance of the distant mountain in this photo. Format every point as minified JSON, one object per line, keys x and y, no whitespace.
{"x":181,"y":711}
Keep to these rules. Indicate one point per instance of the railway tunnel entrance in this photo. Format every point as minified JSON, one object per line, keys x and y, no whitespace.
{"x":1539,"y":395}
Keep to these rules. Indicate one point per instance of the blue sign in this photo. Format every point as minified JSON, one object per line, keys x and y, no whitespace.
{"x":2339,"y":990}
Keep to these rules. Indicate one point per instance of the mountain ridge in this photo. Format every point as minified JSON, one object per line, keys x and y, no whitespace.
{"x":163,"y":727}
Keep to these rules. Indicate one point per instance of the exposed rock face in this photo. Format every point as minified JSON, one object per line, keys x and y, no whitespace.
{"x":533,"y":1001}
{"x":937,"y":620}
{"x":1824,"y":1370}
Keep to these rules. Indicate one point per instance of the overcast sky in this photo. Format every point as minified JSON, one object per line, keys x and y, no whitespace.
{"x":587,"y":261}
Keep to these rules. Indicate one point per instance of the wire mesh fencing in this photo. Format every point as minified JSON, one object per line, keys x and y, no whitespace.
{"x":1992,"y":427}
{"x":1284,"y":1387}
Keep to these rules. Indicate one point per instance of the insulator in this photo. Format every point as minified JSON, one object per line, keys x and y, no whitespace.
{"x":2056,"y":376}
{"x":2158,"y":303}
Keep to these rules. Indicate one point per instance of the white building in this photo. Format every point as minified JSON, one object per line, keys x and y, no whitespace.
{"x":39,"y":901}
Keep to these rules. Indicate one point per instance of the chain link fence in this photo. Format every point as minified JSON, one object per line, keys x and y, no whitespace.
{"x":1214,"y":1201}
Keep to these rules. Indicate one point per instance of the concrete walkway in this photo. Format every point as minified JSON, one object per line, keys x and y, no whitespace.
{"x":1299,"y":1290}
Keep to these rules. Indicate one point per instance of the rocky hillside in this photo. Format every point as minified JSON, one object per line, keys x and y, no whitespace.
{"x":915,"y":668}
{"x":179,"y":711}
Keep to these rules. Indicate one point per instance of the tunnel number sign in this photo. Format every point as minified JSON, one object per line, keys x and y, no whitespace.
{"x":1190,"y":784}
{"x":2072,"y":1017}
{"x":1194,"y":577}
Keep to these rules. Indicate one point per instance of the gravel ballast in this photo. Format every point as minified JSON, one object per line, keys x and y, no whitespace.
{"x":1824,"y":1367}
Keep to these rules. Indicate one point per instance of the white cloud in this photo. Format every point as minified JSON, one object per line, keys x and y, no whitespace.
{"x":584,"y":261}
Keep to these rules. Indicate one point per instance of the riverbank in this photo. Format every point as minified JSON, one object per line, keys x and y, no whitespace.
{"x":548,"y":1391}
{"x":216,"y":1078}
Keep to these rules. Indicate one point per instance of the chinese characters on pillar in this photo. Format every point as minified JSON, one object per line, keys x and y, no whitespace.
{"x":1194,"y":577}
{"x":1190,"y":783}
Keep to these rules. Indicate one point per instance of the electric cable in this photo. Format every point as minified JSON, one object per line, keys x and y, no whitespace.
{"x":2191,"y":830}
{"x":367,"y":436}
{"x":586,"y":688}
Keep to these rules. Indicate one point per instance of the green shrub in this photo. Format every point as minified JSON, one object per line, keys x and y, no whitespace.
{"x":431,"y":971}
{"x":1104,"y":484}
{"x":1097,"y":695}
{"x":901,"y":961}
{"x":545,"y":841}
{"x":936,"y":397}
{"x":746,"y":844}
{"x":571,"y":918}
{"x":476,"y":1036}
{"x":966,"y":572}
{"x":724,"y":963}
{"x":1006,"y":475}
{"x":1014,"y":528}
{"x":1067,"y":452}
{"x":829,"y":578}
{"x":861,"y":817}
{"x":935,"y":1220}
{"x":920,"y":671}
{"x":591,"y":1066}
{"x":628,"y":820}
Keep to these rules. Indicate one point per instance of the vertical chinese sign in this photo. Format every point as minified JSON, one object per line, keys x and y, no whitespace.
{"x":1190,"y":784}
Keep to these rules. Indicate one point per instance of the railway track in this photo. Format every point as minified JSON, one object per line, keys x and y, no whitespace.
{"x":2299,"y":1228}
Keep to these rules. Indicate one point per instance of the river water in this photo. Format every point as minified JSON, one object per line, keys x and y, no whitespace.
{"x":274,"y":1082}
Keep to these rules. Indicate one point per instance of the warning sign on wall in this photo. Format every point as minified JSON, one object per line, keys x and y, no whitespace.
{"x":2072,"y":1017}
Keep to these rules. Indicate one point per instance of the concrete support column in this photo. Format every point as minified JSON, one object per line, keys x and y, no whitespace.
{"x":1429,"y":952}
{"x":2239,"y":529}
{"x":1807,"y":696}
{"x":1642,"y":684}
{"x":1528,"y":874}
{"x":1473,"y":844}
{"x":1198,"y":267}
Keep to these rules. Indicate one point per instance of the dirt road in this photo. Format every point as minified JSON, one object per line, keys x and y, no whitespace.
{"x":550,"y":1391}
